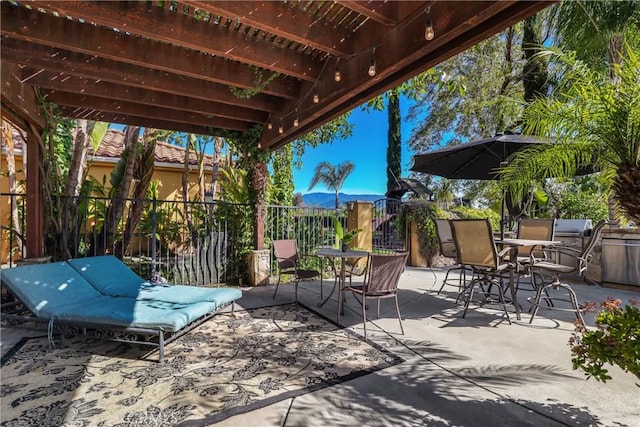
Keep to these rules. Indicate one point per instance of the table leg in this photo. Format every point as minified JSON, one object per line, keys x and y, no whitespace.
{"x":512,"y":288}
{"x":342,"y":280}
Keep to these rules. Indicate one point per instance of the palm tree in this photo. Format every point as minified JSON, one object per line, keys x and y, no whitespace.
{"x":332,"y":177}
{"x":594,"y":118}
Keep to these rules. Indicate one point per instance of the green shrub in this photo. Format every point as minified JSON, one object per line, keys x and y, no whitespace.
{"x":616,"y":341}
{"x":463,"y":212}
{"x":422,"y":213}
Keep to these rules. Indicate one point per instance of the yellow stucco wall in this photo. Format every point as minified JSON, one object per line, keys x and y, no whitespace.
{"x":170,"y":189}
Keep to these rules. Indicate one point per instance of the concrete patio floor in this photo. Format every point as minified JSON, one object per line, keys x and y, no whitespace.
{"x":477,"y":371}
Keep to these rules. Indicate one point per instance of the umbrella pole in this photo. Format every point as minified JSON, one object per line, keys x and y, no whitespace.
{"x":502,"y":217}
{"x":503,"y":203}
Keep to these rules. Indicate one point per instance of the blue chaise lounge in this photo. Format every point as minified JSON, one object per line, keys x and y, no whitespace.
{"x":103,"y":294}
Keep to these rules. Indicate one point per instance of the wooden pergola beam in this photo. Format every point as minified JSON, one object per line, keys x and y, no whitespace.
{"x":134,"y":109}
{"x":399,"y":61}
{"x":82,"y":113}
{"x":144,"y":19}
{"x":77,"y":53}
{"x":20,"y":105}
{"x":134,"y":95}
{"x":379,"y":11}
{"x":284,"y":21}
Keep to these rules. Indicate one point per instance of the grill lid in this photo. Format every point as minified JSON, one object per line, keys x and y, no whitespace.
{"x":577,"y":226}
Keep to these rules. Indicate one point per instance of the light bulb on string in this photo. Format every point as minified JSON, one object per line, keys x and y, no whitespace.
{"x":296,"y":122}
{"x":316,"y":98}
{"x":372,"y":68}
{"x":429,"y":34}
{"x":280,"y":128}
{"x":269,"y":125}
{"x":337,"y":76}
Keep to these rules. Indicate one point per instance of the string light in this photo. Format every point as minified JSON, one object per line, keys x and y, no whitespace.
{"x":269,"y":125}
{"x":280,"y":128}
{"x":337,"y":76}
{"x":372,"y":67}
{"x":316,"y":98}
{"x":429,"y":34}
{"x":295,"y":120}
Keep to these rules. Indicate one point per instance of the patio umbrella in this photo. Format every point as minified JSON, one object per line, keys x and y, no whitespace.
{"x":479,"y":159}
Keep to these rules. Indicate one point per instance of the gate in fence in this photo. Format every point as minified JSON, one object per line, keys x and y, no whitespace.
{"x":385,"y":227}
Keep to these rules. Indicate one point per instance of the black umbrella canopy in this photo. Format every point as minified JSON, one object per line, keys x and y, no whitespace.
{"x":479,"y":159}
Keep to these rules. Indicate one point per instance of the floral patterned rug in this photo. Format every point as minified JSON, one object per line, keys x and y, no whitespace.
{"x":229,"y":365}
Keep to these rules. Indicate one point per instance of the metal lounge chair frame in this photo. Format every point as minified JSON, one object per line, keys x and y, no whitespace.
{"x":101,"y":296}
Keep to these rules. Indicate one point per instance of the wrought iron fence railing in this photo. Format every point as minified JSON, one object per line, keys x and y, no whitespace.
{"x":182,"y":242}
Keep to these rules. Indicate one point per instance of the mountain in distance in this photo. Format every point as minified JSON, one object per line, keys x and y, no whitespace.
{"x":328,"y":200}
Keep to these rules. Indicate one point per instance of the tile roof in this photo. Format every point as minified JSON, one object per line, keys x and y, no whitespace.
{"x":113,"y":144}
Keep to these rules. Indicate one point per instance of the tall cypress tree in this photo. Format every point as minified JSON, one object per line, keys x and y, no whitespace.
{"x":393,"y":140}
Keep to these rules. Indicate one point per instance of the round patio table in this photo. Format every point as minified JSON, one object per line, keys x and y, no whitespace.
{"x":343,"y":255}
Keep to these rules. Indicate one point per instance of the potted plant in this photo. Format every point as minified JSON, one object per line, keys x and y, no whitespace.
{"x":343,"y":238}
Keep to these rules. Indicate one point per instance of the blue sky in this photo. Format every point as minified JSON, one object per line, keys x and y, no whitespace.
{"x":366,"y":148}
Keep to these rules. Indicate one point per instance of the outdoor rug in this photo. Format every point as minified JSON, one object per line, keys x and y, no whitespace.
{"x":229,"y":365}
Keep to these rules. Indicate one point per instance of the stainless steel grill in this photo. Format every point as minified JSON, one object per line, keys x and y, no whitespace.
{"x":573,"y":227}
{"x":573,"y":233}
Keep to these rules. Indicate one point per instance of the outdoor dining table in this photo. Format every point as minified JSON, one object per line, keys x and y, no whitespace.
{"x":513,"y":255}
{"x":343,"y":255}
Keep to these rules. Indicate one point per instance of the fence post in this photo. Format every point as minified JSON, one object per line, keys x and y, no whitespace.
{"x":154,"y":204}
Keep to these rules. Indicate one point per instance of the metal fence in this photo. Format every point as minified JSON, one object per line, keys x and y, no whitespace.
{"x":192,"y":243}
{"x":181,"y":242}
{"x":385,"y":227}
{"x":311,"y":227}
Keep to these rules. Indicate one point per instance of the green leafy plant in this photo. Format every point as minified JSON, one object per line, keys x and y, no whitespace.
{"x":343,"y":237}
{"x":616,"y":341}
{"x":421,"y":212}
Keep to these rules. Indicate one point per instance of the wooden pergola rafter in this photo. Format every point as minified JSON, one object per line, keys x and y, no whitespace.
{"x":179,"y":65}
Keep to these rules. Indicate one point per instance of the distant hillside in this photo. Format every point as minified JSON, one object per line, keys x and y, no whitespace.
{"x":327,"y":200}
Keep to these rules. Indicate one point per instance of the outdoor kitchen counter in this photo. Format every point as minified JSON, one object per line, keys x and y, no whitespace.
{"x":621,"y":258}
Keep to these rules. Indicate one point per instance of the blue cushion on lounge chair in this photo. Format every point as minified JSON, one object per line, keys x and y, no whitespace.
{"x":44,"y":288}
{"x":131,"y":313}
{"x":109,"y":275}
{"x":190,"y":294}
{"x":112,"y":277}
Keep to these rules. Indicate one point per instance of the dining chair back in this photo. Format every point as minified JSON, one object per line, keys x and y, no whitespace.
{"x":447,"y":249}
{"x":474,"y":243}
{"x":445,"y":238}
{"x":476,"y":250}
{"x":534,"y":229}
{"x":287,"y":258}
{"x":381,"y":281}
{"x":555,"y":270}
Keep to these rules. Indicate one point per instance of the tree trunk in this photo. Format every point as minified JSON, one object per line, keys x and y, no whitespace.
{"x":534,"y":73}
{"x":143,"y":173}
{"x":626,"y":191}
{"x":74,"y":184}
{"x":115,"y":210}
{"x":215,"y":172}
{"x":185,"y":187}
